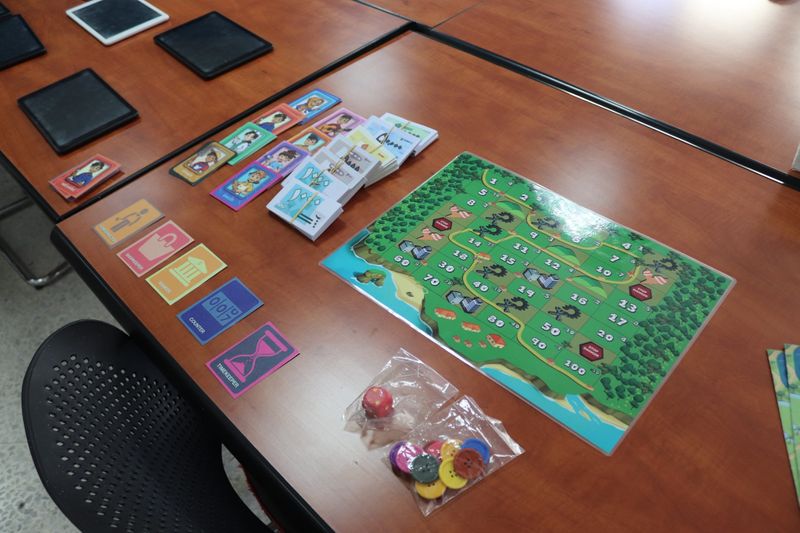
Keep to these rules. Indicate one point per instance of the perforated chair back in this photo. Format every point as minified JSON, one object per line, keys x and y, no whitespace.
{"x":116,"y":446}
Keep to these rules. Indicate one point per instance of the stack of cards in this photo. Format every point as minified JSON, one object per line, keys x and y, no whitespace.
{"x":425,"y":134}
{"x":785,"y":367}
{"x":79,"y":180}
{"x":348,"y":152}
{"x":305,"y":208}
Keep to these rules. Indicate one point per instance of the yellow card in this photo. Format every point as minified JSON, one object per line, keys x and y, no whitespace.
{"x":126,"y":222}
{"x":186,"y":273}
{"x":363,"y":138}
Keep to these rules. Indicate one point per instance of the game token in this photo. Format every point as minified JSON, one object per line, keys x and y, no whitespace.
{"x":393,"y":452}
{"x":430,"y":491}
{"x":424,"y":468}
{"x":480,"y":446}
{"x":405,"y":454}
{"x":468,"y":463}
{"x":449,"y":477}
{"x":434,"y":448}
{"x":377,"y":402}
{"x":449,"y":449}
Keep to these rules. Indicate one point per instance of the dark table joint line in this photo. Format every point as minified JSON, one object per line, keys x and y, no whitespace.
{"x":615,"y":107}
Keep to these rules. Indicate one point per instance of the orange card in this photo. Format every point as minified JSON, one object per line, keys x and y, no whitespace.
{"x":186,"y":273}
{"x":126,"y":222}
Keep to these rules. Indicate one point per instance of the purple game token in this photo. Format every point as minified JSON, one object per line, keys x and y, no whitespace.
{"x":405,"y":454}
{"x":393,"y":452}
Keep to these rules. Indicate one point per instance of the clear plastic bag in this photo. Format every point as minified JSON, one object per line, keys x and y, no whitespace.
{"x":461,"y":423}
{"x":416,"y":391}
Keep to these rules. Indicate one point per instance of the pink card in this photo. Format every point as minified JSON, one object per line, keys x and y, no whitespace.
{"x":158,"y":245}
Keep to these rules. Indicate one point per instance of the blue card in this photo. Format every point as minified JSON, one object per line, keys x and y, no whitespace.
{"x":243,"y":187}
{"x":314,"y":103}
{"x":219,"y":310}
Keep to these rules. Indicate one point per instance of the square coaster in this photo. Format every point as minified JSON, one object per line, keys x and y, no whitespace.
{"x":212,"y":45}
{"x":17,"y":40}
{"x":76,"y":110}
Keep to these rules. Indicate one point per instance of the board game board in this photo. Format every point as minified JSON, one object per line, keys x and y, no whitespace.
{"x":580,"y":316}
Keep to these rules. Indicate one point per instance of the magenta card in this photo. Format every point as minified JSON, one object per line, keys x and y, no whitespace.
{"x":158,"y":245}
{"x":252,"y":359}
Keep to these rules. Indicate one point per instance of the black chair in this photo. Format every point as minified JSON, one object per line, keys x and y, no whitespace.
{"x":116,"y":446}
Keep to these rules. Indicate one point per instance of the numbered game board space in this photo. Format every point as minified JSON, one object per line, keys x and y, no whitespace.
{"x":580,"y":316}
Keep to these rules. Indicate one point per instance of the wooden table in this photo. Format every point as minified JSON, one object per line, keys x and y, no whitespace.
{"x":707,"y":454}
{"x":175,"y":105}
{"x":427,"y":12}
{"x":725,"y":71}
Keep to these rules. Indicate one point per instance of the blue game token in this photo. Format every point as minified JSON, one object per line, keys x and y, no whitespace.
{"x":479,"y":446}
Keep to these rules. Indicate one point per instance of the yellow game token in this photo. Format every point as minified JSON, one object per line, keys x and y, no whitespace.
{"x":449,"y":476}
{"x":430,"y":491}
{"x":450,"y":448}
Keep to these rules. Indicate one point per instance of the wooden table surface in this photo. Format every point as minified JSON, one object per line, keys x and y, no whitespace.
{"x":708,"y":453}
{"x":428,"y":12}
{"x":175,"y":105}
{"x":724,"y":70}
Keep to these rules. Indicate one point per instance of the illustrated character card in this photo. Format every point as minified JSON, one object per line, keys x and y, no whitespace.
{"x":77,"y":181}
{"x":310,"y":140}
{"x":245,"y":186}
{"x":282,"y":159}
{"x":340,"y":122}
{"x":202,"y":163}
{"x":126,"y":222}
{"x":219,"y":310}
{"x":154,"y":248}
{"x":252,"y":359}
{"x":279,"y":119}
{"x":314,"y":104}
{"x":246,"y":140}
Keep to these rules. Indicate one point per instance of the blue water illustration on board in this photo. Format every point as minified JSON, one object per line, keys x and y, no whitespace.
{"x":594,"y":429}
{"x":580,"y":419}
{"x":345,"y":263}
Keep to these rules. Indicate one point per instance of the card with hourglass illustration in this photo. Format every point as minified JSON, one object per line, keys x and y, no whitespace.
{"x":154,"y":248}
{"x":252,"y":359}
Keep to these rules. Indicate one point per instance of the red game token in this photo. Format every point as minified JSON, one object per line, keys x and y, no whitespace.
{"x":468,"y":463}
{"x":377,"y":402}
{"x":434,"y":448}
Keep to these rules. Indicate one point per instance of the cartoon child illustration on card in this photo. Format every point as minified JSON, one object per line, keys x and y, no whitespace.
{"x":244,"y":186}
{"x":243,"y":141}
{"x":273,"y":121}
{"x":340,"y":124}
{"x":309,"y":140}
{"x":82,"y":176}
{"x":204,"y":160}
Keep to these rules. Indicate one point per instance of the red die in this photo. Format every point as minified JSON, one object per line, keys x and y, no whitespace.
{"x":377,"y":402}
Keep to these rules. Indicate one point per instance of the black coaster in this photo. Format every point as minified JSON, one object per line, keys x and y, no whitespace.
{"x":78,"y":109}
{"x":212,"y":44}
{"x":17,"y":41}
